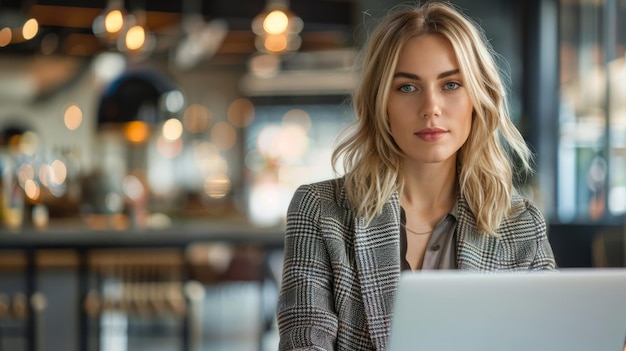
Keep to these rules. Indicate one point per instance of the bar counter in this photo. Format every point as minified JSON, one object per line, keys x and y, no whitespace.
{"x":75,"y":250}
{"x":179,"y":234}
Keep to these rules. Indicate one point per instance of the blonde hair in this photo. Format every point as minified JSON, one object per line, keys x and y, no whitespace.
{"x":371,"y":158}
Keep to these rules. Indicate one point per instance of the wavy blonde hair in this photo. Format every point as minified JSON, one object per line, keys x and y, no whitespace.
{"x":372,"y":160}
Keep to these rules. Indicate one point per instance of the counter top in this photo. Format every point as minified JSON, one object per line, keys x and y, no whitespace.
{"x":76,"y":235}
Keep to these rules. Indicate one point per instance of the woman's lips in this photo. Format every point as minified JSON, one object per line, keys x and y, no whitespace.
{"x":431,"y":134}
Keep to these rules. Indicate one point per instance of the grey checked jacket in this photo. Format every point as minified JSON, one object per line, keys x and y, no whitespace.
{"x":340,"y":275}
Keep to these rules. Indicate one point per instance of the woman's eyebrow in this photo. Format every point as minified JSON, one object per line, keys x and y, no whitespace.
{"x":416,"y":77}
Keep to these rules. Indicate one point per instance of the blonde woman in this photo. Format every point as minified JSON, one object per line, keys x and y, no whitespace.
{"x":428,"y":185}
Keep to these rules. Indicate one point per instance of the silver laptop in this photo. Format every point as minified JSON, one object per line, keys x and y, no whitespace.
{"x":568,"y":310}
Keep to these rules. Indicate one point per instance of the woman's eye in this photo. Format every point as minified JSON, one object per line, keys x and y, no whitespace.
{"x":451,"y":85}
{"x":407,"y":88}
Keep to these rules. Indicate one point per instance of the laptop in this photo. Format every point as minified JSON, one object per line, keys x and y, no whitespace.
{"x":568,"y":310}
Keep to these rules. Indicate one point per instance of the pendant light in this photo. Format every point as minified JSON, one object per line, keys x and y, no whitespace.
{"x":277,"y":28}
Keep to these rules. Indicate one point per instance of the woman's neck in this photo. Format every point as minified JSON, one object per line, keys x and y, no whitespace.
{"x":429,"y":185}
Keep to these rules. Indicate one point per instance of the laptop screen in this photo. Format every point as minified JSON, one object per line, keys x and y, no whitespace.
{"x":568,"y":310}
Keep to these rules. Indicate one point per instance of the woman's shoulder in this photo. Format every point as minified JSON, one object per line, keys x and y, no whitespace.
{"x":323,"y":186}
{"x":328,"y":189}
{"x":325,"y":191}
{"x":522,"y":206}
{"x":524,"y":217}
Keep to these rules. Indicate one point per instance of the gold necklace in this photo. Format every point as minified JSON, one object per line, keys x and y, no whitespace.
{"x":416,"y":233}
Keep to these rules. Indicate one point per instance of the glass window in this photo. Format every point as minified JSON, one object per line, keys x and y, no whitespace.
{"x":617,"y":113}
{"x":592,"y":114}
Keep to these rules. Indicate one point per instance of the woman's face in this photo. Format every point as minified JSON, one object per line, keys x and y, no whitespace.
{"x":430,"y":112}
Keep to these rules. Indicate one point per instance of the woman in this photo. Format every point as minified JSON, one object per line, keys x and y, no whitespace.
{"x":427,"y":185}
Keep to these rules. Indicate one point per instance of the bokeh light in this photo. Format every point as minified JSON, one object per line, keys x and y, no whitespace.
{"x":114,"y":21}
{"x":49,"y":43}
{"x":113,"y":202}
{"x":73,"y":117}
{"x":268,"y":203}
{"x":292,"y":142}
{"x":217,"y":186}
{"x":136,"y":131}
{"x":276,"y":22}
{"x":5,"y":36}
{"x":240,"y":112}
{"x":30,"y":29}
{"x":285,"y":142}
{"x":172,"y":129}
{"x":58,"y":173}
{"x":266,"y":140}
{"x":196,"y":118}
{"x":32,"y":190}
{"x":223,"y":135}
{"x":276,"y":43}
{"x":109,"y":65}
{"x":54,"y":176}
{"x":44,"y":174}
{"x":135,"y":38}
{"x":299,"y":117}
{"x":174,"y":101}
{"x":133,"y":187}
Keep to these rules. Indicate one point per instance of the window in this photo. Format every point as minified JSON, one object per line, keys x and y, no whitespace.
{"x":592,"y":111}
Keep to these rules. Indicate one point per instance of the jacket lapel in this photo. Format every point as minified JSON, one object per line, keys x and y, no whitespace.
{"x":378,"y":268}
{"x":475,"y":251}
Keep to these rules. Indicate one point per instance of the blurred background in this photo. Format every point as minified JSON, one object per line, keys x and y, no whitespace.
{"x":148,"y":152}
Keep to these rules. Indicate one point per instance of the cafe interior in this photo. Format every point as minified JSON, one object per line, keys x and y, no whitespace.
{"x":149,"y":151}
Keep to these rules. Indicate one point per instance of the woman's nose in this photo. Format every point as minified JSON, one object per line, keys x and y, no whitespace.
{"x":431,"y":104}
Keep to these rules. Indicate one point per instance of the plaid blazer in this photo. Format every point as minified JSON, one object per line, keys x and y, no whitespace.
{"x":340,"y":275}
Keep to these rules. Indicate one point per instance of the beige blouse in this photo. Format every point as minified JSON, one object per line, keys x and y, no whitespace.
{"x":441,"y":249}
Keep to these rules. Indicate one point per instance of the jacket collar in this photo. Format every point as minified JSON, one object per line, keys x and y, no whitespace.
{"x":472,"y":245}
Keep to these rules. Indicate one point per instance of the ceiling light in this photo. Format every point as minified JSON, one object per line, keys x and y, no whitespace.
{"x":30,"y":29}
{"x":277,"y":28}
{"x":136,"y":41}
{"x":5,"y":36}
{"x":135,"y":38}
{"x":114,"y":21}
{"x":109,"y":24}
{"x":276,"y":22}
